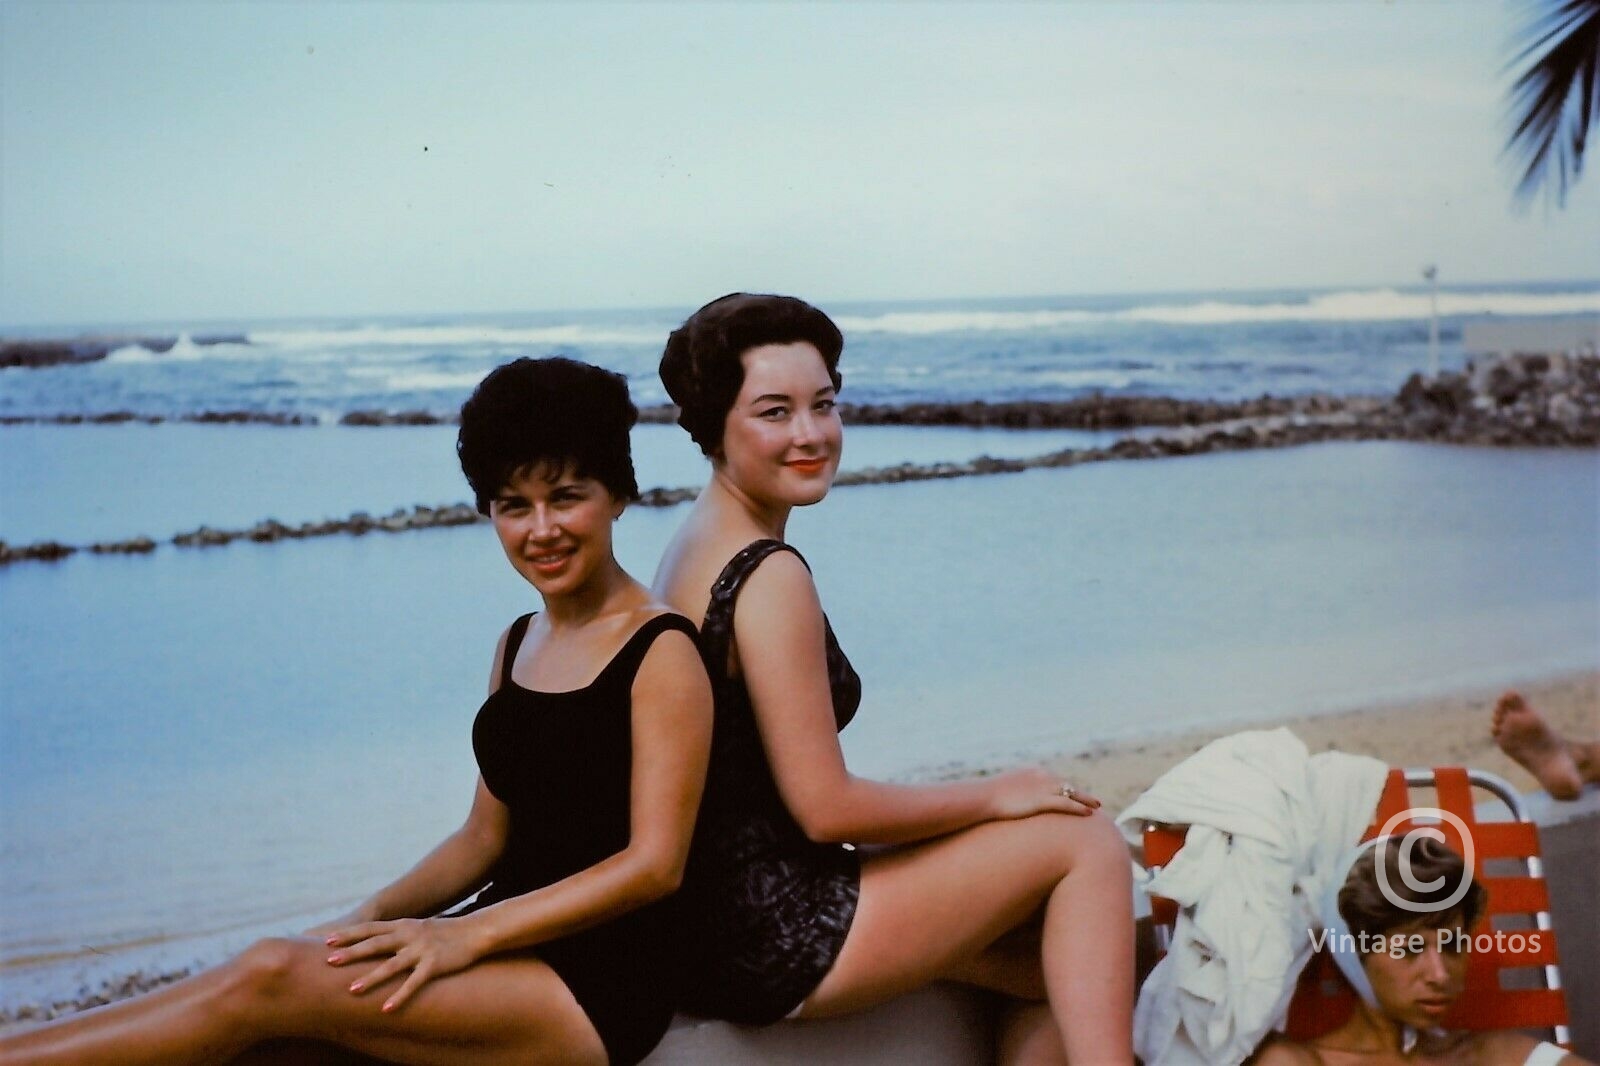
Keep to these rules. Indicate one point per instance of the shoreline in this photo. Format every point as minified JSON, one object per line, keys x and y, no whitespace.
{"x":1443,"y":730}
{"x":1450,"y":729}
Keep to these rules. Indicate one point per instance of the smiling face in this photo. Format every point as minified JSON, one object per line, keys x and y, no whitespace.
{"x":1419,"y":980}
{"x":782,"y":438}
{"x":555,"y":527}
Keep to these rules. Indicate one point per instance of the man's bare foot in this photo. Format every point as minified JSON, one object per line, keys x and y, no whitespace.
{"x":1523,"y":734}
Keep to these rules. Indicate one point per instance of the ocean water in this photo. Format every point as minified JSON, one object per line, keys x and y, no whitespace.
{"x":1217,"y":345}
{"x":201,"y":745}
{"x":85,"y":483}
{"x":197,"y":746}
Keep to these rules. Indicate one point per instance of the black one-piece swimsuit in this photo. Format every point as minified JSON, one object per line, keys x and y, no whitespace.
{"x":561,"y":763}
{"x":768,"y":909}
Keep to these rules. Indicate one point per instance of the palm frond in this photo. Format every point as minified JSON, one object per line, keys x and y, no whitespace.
{"x":1556,"y":99}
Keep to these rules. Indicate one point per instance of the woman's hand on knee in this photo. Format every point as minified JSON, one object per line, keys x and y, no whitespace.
{"x":427,"y":947}
{"x":1030,"y":791}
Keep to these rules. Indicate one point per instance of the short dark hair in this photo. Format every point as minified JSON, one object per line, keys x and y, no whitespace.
{"x":554,"y":410}
{"x":1368,"y":911}
{"x":701,"y":366}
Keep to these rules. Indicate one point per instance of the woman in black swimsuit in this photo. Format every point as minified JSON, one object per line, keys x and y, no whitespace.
{"x":592,"y":748}
{"x":1013,"y":882}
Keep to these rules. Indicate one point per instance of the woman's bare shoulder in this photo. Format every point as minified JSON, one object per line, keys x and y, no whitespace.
{"x":690,"y":565}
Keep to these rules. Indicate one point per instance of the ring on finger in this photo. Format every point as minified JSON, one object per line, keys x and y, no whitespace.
{"x":1068,"y":791}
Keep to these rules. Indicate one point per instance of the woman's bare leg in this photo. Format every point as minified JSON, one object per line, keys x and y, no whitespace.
{"x":929,"y":910}
{"x":1012,"y":965}
{"x":301,"y":1053}
{"x":498,"y":1011}
{"x":1029,"y":1037}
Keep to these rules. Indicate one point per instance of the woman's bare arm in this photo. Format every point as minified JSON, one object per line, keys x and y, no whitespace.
{"x":780,"y":638}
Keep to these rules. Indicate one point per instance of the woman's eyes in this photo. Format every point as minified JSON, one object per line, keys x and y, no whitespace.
{"x":558,"y":498}
{"x":821,"y":407}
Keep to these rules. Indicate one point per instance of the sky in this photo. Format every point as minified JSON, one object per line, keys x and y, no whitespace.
{"x":227,"y":162}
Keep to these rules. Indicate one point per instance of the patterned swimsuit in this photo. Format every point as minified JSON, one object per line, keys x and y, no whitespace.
{"x":767,"y":908}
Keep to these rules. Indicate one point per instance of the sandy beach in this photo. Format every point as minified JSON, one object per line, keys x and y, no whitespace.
{"x":1444,"y":731}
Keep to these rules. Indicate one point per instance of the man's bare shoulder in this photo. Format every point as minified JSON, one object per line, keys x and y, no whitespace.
{"x":1279,"y":1050}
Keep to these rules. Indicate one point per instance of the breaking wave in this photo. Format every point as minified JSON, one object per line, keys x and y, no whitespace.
{"x":1355,"y":305}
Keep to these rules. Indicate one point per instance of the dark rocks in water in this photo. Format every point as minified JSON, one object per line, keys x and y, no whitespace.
{"x":47,"y":551}
{"x":132,"y":546}
{"x":16,"y":353}
{"x":113,"y":418}
{"x":205,"y":537}
{"x":1087,"y":412}
{"x":1515,"y":401}
{"x":395,"y":418}
{"x":659,"y":414}
{"x":1540,"y":399}
{"x":270,"y":530}
{"x":659,"y":497}
{"x":42,"y":351}
{"x":266,"y":418}
{"x":267,"y":531}
{"x":1090,"y":412}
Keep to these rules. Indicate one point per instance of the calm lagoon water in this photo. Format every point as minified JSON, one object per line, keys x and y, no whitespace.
{"x":83,"y":483}
{"x":196,"y":745}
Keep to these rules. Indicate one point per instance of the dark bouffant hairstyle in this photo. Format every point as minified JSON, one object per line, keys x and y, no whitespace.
{"x":1366,"y":910}
{"x":701,"y":367}
{"x":555,"y":410}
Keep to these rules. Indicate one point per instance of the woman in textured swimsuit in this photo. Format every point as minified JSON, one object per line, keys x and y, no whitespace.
{"x":592,"y":748}
{"x":1013,"y":882}
{"x":1408,"y":968}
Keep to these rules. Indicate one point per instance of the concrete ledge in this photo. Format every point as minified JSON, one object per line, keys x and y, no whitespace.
{"x":946,"y":1025}
{"x":942,"y":1025}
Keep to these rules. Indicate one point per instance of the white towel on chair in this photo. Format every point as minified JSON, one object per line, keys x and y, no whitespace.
{"x":1268,"y":823}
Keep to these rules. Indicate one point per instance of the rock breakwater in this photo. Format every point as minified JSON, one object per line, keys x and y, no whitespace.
{"x":1513,"y":400}
{"x":33,"y":352}
{"x":1544,"y":401}
{"x":116,"y":418}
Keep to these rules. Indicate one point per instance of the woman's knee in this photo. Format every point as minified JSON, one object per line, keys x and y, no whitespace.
{"x":1101,"y":843}
{"x":266,"y":972}
{"x":1075,"y":841}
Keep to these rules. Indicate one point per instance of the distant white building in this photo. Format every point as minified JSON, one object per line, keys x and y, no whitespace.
{"x":1569,"y":334}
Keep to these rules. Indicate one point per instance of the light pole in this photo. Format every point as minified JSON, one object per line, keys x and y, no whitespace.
{"x":1431,"y":272}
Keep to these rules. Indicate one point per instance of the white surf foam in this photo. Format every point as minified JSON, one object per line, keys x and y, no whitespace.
{"x":454,"y":336}
{"x":1354,"y":305}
